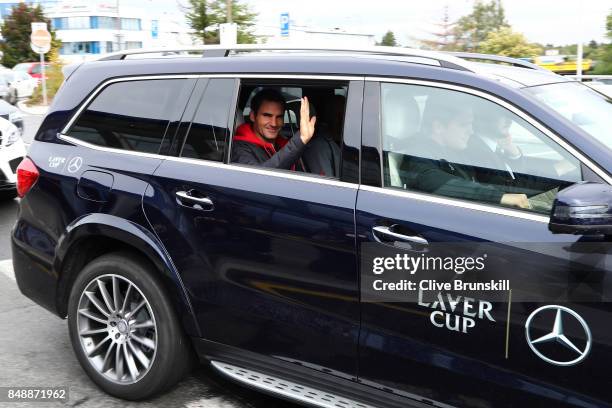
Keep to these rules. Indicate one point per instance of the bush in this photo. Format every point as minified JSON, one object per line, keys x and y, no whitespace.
{"x":55,"y":77}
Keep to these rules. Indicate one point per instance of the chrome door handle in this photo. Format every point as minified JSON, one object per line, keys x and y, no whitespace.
{"x":198,"y":203}
{"x":202,"y":200}
{"x":386,"y":232}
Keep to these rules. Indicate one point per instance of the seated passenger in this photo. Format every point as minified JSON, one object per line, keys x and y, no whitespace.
{"x":444,"y":165}
{"x":257,"y":143}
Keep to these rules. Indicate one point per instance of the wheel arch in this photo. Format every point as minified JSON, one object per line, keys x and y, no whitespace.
{"x":98,"y":234}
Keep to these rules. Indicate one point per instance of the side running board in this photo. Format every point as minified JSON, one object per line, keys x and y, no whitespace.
{"x":287,"y":389}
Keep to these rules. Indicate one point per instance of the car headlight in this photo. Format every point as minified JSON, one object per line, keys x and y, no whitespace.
{"x":13,"y":116}
{"x":11,"y":136}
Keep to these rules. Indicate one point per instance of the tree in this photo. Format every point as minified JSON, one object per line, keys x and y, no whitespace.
{"x":388,"y":39}
{"x":204,"y":16}
{"x":241,"y":15}
{"x":474,"y":28}
{"x":443,"y":37}
{"x":508,"y":43}
{"x":604,"y":65}
{"x":16,"y":31}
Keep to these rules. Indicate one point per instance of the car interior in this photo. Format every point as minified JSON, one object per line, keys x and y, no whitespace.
{"x":327,"y":103}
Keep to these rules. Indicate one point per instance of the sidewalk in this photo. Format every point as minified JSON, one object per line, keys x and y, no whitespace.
{"x":32,"y":110}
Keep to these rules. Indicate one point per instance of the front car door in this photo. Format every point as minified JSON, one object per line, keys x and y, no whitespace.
{"x":432,"y":189}
{"x":267,"y":256}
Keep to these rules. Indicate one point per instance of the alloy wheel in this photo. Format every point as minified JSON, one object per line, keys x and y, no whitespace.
{"x":117,"y":329}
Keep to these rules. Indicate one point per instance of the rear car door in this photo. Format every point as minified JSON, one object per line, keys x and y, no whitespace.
{"x":536,"y":335}
{"x":268,"y":257}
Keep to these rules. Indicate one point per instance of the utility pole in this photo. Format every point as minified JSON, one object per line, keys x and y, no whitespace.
{"x":229,"y":11}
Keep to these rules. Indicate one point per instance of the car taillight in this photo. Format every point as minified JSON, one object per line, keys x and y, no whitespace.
{"x":27,"y":174}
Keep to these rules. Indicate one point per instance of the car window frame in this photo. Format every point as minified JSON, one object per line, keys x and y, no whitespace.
{"x":373,"y":173}
{"x":351,"y":135}
{"x":63,"y":134}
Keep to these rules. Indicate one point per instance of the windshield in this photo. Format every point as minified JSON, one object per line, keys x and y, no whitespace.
{"x":580,"y":104}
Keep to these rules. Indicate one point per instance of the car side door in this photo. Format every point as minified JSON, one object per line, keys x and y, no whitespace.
{"x":268,"y":257}
{"x":535,"y":335}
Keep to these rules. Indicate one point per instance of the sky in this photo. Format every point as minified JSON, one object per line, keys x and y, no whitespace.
{"x":558,"y":22}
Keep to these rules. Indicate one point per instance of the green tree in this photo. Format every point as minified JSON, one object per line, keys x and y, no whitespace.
{"x":508,"y":43}
{"x":202,"y":19}
{"x":604,"y":63}
{"x":388,"y":39}
{"x":204,"y":16}
{"x":473,"y":29}
{"x":16,"y":31}
{"x":241,"y":15}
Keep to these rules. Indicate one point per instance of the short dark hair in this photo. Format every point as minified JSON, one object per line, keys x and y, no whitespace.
{"x":267,"y":94}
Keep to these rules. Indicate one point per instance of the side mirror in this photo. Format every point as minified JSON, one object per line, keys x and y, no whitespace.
{"x":584,"y":209}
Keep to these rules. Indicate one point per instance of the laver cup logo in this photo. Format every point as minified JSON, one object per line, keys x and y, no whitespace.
{"x":456,"y":312}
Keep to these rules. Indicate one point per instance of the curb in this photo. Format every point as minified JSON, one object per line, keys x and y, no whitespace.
{"x":32,"y":110}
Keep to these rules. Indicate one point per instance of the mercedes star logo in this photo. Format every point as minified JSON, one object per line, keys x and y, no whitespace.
{"x":557,"y":335}
{"x":75,"y":164}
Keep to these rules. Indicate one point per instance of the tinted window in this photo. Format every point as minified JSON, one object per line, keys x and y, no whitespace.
{"x":131,"y":115}
{"x":208,"y":133}
{"x":458,"y":145}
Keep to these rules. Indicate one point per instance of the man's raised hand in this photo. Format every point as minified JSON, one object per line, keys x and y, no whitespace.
{"x":307,"y":124}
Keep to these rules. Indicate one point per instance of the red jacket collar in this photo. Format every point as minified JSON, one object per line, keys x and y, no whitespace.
{"x":245,"y":133}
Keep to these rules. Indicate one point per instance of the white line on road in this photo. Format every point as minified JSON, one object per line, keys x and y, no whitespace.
{"x":6,"y":267}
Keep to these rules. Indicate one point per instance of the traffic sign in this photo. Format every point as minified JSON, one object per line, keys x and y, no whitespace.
{"x":41,"y":38}
{"x":284,"y":24}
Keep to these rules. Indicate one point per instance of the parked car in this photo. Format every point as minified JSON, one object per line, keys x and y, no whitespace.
{"x":138,"y":226}
{"x":12,"y":151}
{"x":12,"y":114}
{"x":4,"y":88}
{"x":20,"y":85}
{"x":31,"y":68}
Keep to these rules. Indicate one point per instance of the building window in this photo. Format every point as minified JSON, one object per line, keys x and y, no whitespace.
{"x":107,"y":22}
{"x":130,"y":24}
{"x":59,"y":23}
{"x":89,"y":47}
{"x":93,"y":22}
{"x":77,"y":23}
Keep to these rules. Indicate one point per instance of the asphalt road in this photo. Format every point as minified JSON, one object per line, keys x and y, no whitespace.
{"x":35,"y":349}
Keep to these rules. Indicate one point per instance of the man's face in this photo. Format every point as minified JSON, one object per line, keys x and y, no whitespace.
{"x":268,"y":120}
{"x":457,"y":131}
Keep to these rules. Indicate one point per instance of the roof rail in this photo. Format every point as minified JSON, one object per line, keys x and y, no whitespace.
{"x":497,"y":58}
{"x":445,"y":60}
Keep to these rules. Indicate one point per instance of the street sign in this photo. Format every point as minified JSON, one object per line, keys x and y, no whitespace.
{"x":40,"y":41}
{"x":284,"y":24}
{"x":40,"y":38}
{"x":154,"y":29}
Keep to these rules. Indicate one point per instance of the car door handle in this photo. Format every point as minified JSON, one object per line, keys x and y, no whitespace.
{"x":384,"y":234}
{"x":199,"y":203}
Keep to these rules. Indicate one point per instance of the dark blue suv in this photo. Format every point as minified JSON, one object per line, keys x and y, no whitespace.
{"x":136,"y":225}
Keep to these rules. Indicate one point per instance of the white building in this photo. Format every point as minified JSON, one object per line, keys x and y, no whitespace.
{"x":88,"y":29}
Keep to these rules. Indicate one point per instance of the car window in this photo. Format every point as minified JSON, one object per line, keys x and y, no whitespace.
{"x":131,"y":115}
{"x":207,"y":135}
{"x":321,"y":156}
{"x":36,"y":69}
{"x":454,"y":144}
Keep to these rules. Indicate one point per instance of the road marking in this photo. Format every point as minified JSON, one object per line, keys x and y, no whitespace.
{"x":6,"y":267}
{"x":215,"y":402}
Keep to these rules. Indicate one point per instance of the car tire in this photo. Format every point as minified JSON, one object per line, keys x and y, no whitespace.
{"x":143,"y":353}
